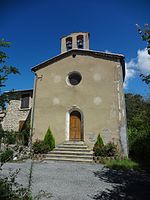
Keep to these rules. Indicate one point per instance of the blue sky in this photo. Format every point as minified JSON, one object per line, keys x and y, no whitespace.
{"x":35,"y":27}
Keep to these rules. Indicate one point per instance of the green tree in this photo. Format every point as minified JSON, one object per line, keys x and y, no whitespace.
{"x":49,"y":139}
{"x":5,"y":70}
{"x":145,"y":36}
{"x":138,"y":121}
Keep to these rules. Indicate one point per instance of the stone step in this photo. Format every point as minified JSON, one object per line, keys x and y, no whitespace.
{"x":72,"y":149}
{"x":69,"y":159}
{"x":71,"y":152}
{"x":69,"y":156}
{"x":72,"y":146}
{"x":80,"y":143}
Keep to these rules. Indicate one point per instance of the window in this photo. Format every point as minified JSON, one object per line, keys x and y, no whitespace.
{"x":69,"y":43}
{"x":74,"y":78}
{"x":25,"y":101}
{"x":80,"y":42}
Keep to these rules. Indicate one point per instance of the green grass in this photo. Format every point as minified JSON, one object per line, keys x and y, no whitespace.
{"x":124,"y":164}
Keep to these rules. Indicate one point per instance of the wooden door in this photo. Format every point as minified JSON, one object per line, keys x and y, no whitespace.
{"x":75,"y":126}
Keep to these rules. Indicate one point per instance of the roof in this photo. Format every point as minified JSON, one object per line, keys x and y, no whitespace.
{"x":18,"y":91}
{"x":104,"y":55}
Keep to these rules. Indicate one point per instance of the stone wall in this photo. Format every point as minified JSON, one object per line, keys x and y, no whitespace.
{"x":14,"y":114}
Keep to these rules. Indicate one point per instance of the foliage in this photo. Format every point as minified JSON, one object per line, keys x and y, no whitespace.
{"x":138,"y":121}
{"x":102,"y":150}
{"x":10,"y":189}
{"x":49,"y":139}
{"x":110,"y":149}
{"x":9,"y":137}
{"x":6,"y":155}
{"x":124,"y":164}
{"x":25,"y":132}
{"x":40,"y":147}
{"x":99,"y":141}
{"x":1,"y":132}
{"x":5,"y":70}
{"x":145,"y":35}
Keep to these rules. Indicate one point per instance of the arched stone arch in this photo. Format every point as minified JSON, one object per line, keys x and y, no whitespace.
{"x":74,"y":115}
{"x":68,"y":43}
{"x":80,"y":42}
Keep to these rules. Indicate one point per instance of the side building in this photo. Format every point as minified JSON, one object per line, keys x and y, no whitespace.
{"x":18,"y":109}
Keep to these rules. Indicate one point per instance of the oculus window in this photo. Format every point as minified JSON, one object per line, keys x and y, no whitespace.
{"x":74,"y":78}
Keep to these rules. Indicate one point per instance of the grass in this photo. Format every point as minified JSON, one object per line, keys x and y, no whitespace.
{"x":124,"y":164}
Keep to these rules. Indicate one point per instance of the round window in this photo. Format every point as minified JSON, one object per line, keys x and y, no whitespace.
{"x":74,"y":78}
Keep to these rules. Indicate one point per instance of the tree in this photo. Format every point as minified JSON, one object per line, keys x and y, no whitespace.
{"x":5,"y":70}
{"x":138,"y":122}
{"x":49,"y":139}
{"x":145,"y":35}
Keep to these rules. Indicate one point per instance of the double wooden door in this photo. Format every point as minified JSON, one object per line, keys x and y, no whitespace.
{"x":75,"y":126}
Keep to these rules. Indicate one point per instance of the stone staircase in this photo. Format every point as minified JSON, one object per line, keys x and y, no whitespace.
{"x":71,"y":151}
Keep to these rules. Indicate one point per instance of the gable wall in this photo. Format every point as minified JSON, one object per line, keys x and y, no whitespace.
{"x":99,"y":96}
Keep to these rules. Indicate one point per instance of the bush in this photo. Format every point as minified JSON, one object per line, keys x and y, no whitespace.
{"x":49,"y":139}
{"x":124,"y":164}
{"x":99,"y":141}
{"x":107,"y":150}
{"x":6,"y":155}
{"x":139,"y":148}
{"x":40,"y":147}
{"x":9,"y":137}
{"x":110,"y":149}
{"x":25,"y":132}
{"x":1,"y":132}
{"x":98,"y":147}
{"x":12,"y":190}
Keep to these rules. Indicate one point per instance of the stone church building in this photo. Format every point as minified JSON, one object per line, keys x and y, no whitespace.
{"x":79,"y":94}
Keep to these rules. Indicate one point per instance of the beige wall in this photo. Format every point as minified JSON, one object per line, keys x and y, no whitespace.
{"x":99,"y":96}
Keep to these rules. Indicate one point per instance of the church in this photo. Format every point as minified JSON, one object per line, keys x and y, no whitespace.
{"x":79,"y":94}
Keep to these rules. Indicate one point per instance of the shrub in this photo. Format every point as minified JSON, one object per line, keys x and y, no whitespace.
{"x":24,"y":134}
{"x":40,"y":147}
{"x":99,"y":141}
{"x":98,"y":150}
{"x":12,"y":190}
{"x":107,"y":150}
{"x":9,"y":137}
{"x":124,"y":164}
{"x":49,"y":139}
{"x":1,"y":132}
{"x":110,"y":149}
{"x":98,"y":147}
{"x":6,"y":155}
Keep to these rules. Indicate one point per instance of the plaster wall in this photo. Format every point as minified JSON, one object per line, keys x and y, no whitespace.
{"x":99,"y":96}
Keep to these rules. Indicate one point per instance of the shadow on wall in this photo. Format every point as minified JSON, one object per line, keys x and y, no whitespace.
{"x":126,"y":185}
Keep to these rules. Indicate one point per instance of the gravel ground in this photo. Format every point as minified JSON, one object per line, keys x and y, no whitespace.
{"x":81,"y":181}
{"x":24,"y":170}
{"x":67,"y":180}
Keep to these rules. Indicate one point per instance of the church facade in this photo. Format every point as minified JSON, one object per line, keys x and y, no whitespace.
{"x":79,"y":94}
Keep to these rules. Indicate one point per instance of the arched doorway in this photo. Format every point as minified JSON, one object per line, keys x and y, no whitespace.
{"x":75,"y":126}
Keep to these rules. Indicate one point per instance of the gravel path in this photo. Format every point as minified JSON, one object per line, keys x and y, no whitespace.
{"x":67,"y":180}
{"x":81,"y":181}
{"x":24,"y":170}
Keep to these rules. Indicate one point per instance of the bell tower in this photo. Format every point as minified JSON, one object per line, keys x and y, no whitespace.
{"x":79,"y":40}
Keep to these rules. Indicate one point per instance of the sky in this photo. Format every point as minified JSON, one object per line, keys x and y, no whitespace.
{"x":34,"y":27}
